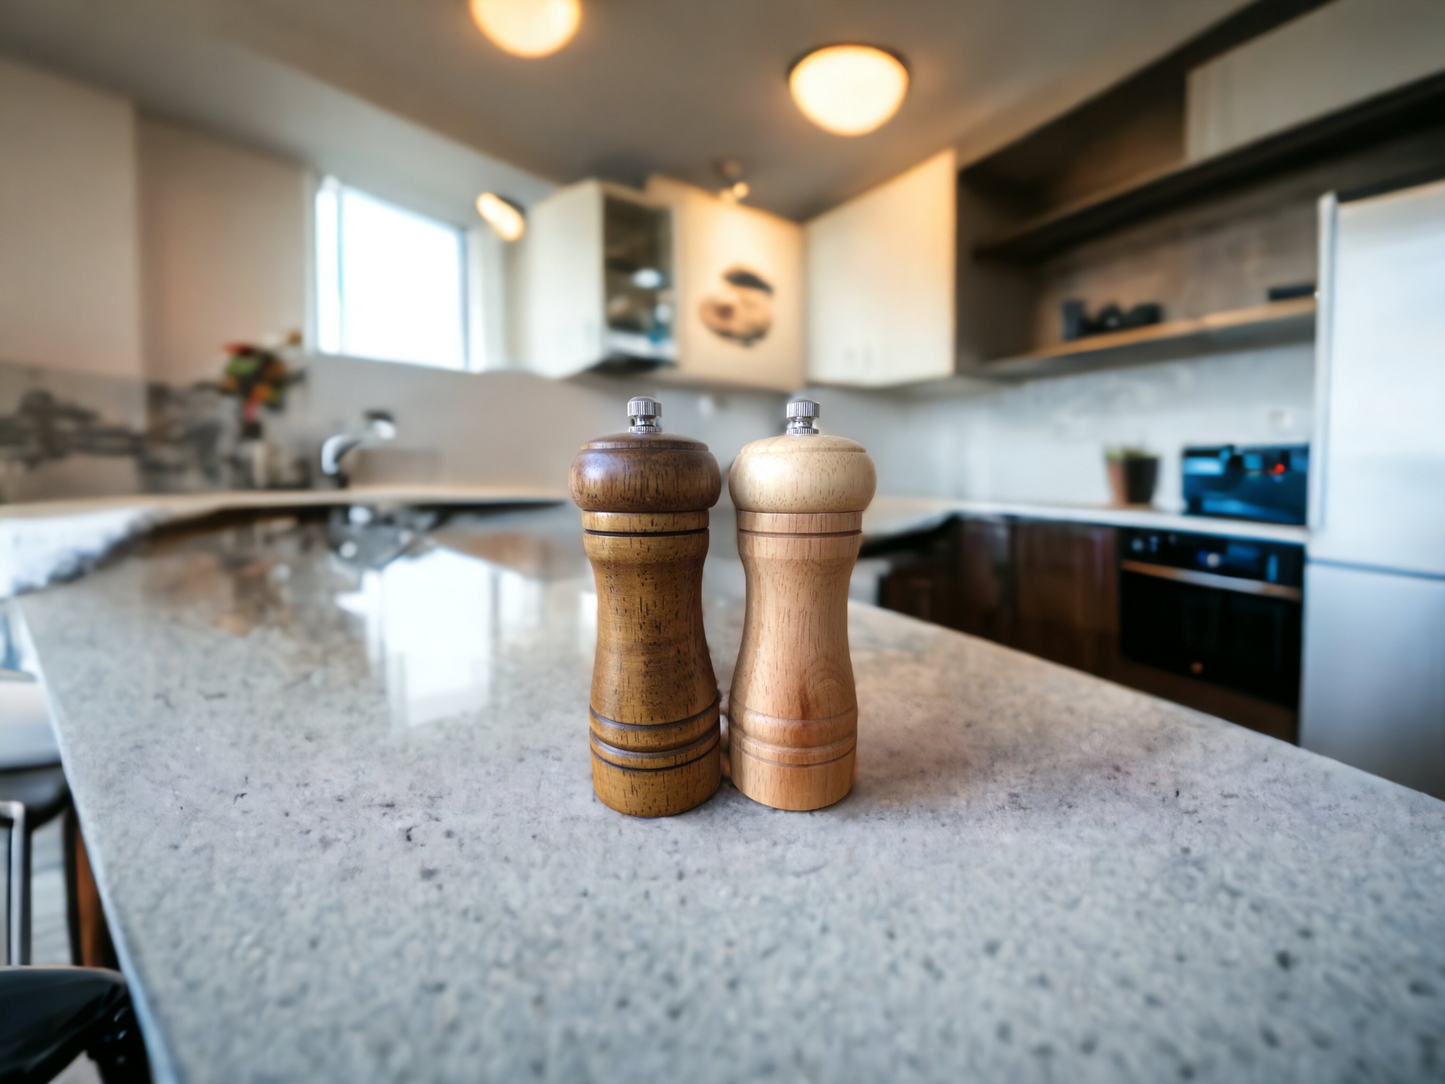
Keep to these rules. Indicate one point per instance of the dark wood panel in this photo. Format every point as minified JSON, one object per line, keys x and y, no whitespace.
{"x":924,"y":593}
{"x":1066,"y":593}
{"x":984,"y":579}
{"x":959,"y":576}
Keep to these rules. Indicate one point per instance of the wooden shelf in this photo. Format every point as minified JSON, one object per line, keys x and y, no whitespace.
{"x":1375,"y":119}
{"x":1262,"y":325}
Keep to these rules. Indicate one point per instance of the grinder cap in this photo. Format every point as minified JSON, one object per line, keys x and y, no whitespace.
{"x":644,"y":469}
{"x":802,"y":471}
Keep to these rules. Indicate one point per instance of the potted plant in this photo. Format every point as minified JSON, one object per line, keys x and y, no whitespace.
{"x":1132,"y":475}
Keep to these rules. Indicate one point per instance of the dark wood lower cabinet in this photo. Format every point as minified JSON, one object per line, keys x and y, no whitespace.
{"x":1052,"y":589}
{"x":986,"y":578}
{"x":1067,"y":593}
{"x":960,"y":576}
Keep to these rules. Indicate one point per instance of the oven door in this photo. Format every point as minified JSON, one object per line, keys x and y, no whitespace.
{"x":1240,"y":633}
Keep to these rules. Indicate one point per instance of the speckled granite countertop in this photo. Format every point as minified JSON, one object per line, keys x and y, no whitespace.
{"x":345,"y":830}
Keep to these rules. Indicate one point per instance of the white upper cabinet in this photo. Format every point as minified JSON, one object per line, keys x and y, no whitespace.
{"x":881,"y":281}
{"x":709,"y":291}
{"x":70,"y":254}
{"x":562,"y":281}
{"x":740,"y":305}
{"x":597,"y":280}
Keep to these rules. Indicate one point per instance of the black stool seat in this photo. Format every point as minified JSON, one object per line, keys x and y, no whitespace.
{"x":41,"y":790}
{"x":49,"y":1016}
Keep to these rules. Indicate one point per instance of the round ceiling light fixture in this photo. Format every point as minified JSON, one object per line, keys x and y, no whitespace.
{"x":529,"y":28}
{"x":502,"y":215}
{"x":849,"y":90}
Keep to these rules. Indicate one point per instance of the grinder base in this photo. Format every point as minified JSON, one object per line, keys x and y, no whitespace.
{"x":797,"y":764}
{"x":648,"y":781}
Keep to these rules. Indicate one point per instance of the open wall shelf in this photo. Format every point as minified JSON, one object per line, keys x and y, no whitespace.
{"x":1263,"y":325}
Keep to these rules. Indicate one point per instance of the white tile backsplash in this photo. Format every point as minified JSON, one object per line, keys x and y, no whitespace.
{"x":1044,"y":441}
{"x":508,"y":428}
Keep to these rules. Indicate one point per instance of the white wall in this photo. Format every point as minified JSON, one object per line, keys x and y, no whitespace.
{"x":69,"y":236}
{"x":505,"y":428}
{"x":224,"y":240}
{"x":881,"y":269}
{"x":1044,"y":441}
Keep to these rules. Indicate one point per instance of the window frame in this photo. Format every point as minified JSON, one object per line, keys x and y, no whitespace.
{"x":326,"y":289}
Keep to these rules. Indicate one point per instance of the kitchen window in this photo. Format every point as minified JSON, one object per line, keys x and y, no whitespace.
{"x":391,"y":284}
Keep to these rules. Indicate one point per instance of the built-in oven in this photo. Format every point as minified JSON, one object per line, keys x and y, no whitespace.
{"x":1224,"y":610}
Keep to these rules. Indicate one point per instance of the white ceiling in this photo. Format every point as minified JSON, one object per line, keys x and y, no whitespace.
{"x":667,"y":86}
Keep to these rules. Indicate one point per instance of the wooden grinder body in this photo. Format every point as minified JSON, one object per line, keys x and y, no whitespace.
{"x":793,"y":708}
{"x":653,"y":716}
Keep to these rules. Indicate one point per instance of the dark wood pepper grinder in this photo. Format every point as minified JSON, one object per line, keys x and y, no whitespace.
{"x":644,"y":496}
{"x":793,"y":709}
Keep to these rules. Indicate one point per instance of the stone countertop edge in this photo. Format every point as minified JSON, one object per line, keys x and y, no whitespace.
{"x":912,"y":512}
{"x":43,"y":541}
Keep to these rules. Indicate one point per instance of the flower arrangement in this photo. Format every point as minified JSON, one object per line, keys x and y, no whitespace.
{"x":258,"y":377}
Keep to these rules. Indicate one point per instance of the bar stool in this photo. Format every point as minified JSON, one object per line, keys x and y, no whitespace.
{"x":49,"y":1016}
{"x":31,"y":775}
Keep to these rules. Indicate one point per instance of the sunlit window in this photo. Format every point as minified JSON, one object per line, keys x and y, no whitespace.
{"x":390,"y":283}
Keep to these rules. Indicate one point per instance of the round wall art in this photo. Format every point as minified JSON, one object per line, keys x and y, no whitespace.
{"x":741,"y":309}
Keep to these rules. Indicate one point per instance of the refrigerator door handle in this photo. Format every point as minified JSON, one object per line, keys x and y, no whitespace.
{"x":1324,"y":312}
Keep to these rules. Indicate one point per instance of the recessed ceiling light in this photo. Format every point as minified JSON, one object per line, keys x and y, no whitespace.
{"x":849,"y":90}
{"x":528,"y":28}
{"x":502,"y":216}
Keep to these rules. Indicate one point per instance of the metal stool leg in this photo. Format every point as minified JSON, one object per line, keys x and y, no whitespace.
{"x":72,"y":884}
{"x":17,"y":926}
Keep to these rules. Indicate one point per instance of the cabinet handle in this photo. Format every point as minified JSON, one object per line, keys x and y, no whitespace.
{"x":1210,"y":579}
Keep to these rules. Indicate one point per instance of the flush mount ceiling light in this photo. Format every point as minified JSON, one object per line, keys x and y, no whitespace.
{"x":502,"y":215}
{"x":529,"y":28}
{"x":849,"y":90}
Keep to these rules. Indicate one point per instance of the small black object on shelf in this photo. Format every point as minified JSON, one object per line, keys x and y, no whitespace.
{"x":1292,"y":291}
{"x":1077,"y":323}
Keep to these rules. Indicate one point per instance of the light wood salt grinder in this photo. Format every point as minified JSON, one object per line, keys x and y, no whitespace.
{"x":644,"y":496}
{"x":793,"y":710}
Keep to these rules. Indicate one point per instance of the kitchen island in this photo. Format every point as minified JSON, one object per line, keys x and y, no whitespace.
{"x":343,"y":822}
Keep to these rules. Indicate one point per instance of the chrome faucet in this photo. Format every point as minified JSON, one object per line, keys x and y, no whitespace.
{"x":380,"y":425}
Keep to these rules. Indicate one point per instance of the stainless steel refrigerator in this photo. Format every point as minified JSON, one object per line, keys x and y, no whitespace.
{"x":1374,"y":626}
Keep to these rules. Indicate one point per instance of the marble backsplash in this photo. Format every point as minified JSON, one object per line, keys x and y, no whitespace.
{"x":69,"y":434}
{"x":42,"y":417}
